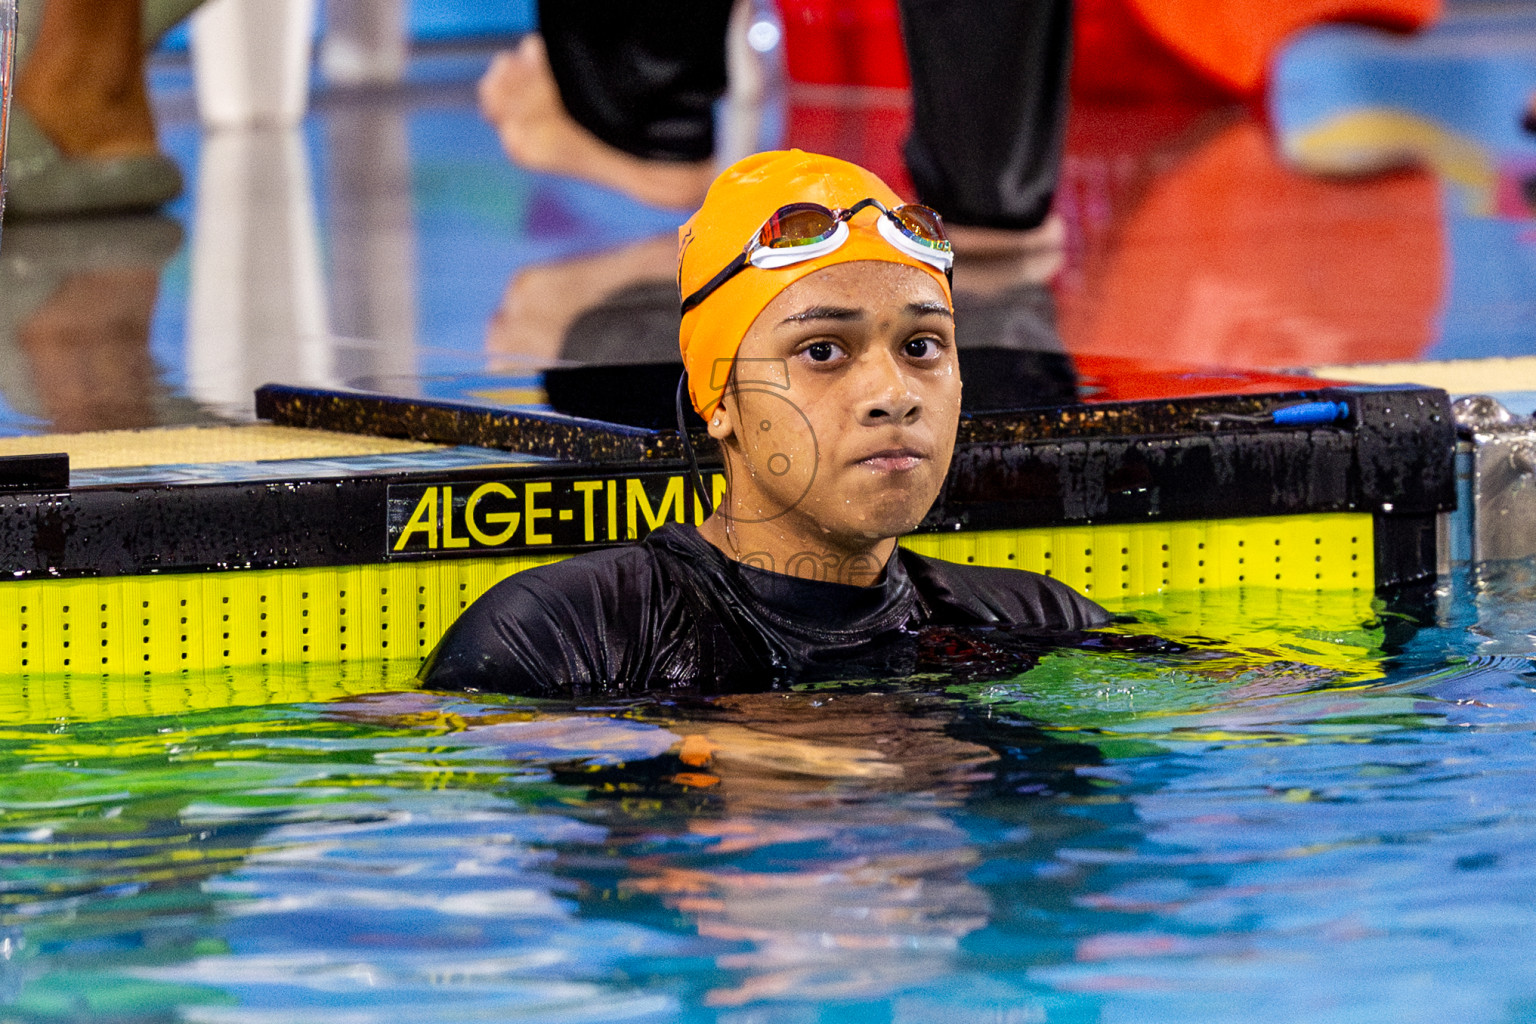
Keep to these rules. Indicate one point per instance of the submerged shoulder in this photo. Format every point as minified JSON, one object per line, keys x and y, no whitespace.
{"x":999,"y":596}
{"x":578,"y":580}
{"x":551,"y":629}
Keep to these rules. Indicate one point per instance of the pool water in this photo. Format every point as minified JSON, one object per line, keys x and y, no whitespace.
{"x":1326,"y":821}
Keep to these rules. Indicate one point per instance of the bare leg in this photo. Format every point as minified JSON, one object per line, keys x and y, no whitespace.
{"x":83,"y":82}
{"x":89,"y":348}
{"x":518,"y":96}
{"x":542,"y":301}
{"x":991,"y":260}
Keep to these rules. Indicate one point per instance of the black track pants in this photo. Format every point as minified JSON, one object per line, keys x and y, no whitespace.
{"x":989,"y":106}
{"x":642,"y":75}
{"x":989,"y":91}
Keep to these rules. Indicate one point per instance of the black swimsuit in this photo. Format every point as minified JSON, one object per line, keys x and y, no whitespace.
{"x":674,"y":613}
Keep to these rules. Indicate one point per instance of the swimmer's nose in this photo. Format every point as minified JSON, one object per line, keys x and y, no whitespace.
{"x":888,"y":395}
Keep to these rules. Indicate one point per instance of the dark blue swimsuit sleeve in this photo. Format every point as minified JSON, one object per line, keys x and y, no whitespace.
{"x":575,"y":627}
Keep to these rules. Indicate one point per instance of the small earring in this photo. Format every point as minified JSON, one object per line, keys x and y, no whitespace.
{"x":717,"y":421}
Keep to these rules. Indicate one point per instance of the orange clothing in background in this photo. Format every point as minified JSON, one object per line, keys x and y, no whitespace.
{"x":1186,"y":48}
{"x":1222,"y":256}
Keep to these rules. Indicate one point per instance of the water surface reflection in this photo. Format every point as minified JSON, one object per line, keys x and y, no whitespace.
{"x":1168,"y":836}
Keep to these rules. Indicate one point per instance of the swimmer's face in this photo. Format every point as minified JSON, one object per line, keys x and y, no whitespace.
{"x":845,"y":397}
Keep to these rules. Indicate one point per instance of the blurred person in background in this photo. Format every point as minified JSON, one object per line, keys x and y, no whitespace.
{"x":623,"y":94}
{"x":82,"y":134}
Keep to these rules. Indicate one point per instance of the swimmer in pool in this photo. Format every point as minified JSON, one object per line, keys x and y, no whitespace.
{"x":818,"y":339}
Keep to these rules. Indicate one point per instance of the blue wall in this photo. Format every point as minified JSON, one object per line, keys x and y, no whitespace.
{"x":446,"y":19}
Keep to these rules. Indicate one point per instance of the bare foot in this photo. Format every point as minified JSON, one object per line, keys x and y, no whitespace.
{"x":542,"y":301}
{"x":992,"y":260}
{"x":518,"y":96}
{"x":83,"y":82}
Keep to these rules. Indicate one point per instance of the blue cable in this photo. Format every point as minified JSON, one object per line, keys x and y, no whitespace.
{"x":1302,"y":414}
{"x":1307,"y":414}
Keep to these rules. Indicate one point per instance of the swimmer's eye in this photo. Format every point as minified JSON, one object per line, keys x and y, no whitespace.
{"x":821,"y":351}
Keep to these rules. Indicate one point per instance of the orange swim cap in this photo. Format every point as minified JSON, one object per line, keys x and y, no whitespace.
{"x":741,"y":199}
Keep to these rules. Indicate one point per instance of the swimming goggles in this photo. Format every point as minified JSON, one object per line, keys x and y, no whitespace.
{"x":804,"y":231}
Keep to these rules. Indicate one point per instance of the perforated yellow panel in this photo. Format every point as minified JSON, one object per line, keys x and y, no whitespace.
{"x":1312,"y":552}
{"x":197,"y":623}
{"x":138,"y":625}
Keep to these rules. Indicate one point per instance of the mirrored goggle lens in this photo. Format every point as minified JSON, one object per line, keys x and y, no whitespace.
{"x":800,"y":224}
{"x":923,"y":224}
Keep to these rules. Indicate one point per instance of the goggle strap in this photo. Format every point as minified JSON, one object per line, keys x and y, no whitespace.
{"x":864,"y":204}
{"x":731,"y":270}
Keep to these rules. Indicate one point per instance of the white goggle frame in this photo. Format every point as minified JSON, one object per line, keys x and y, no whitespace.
{"x":766,"y":258}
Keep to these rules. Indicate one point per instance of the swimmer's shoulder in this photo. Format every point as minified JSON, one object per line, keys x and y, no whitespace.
{"x":555,"y":629}
{"x":581,"y":585}
{"x":980,"y":594}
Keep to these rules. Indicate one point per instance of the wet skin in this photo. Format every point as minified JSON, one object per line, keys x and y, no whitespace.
{"x":839,"y":423}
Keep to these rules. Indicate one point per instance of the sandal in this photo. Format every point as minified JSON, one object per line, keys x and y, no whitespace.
{"x":44,"y":182}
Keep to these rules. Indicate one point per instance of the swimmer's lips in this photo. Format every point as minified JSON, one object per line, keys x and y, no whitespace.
{"x":893,"y":460}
